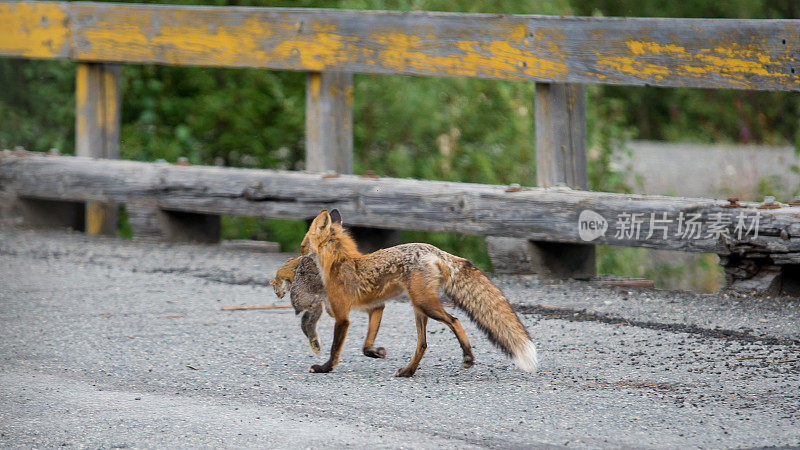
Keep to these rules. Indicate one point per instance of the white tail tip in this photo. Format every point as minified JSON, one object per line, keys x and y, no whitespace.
{"x":526,"y":358}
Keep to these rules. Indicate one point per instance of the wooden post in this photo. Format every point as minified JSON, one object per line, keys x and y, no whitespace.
{"x":560,"y":161}
{"x":561,"y":135}
{"x":97,"y":124}
{"x":329,"y":122}
{"x":329,"y":141}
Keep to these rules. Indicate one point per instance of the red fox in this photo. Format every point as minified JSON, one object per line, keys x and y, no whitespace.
{"x":365,"y":282}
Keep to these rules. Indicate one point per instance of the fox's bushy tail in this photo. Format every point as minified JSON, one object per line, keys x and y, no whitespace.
{"x":489,"y":309}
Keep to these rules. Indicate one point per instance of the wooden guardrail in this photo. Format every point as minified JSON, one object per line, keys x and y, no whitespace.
{"x":540,"y":214}
{"x":559,"y":54}
{"x":707,"y":53}
{"x":745,"y":234}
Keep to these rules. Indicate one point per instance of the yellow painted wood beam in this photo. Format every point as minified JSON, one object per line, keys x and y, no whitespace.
{"x":707,"y":53}
{"x":34,"y":29}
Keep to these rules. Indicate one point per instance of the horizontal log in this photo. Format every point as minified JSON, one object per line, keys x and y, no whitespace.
{"x":786,"y":258}
{"x":541,"y":214}
{"x":703,"y":53}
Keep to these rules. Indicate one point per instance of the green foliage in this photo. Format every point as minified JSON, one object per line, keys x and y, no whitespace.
{"x":124,"y":230}
{"x":37,"y":104}
{"x":234,"y":117}
{"x":473,"y":130}
{"x":769,"y":185}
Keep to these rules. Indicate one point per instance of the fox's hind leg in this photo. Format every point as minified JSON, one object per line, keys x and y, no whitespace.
{"x":436,"y":311}
{"x":375,"y":316}
{"x":424,"y":294}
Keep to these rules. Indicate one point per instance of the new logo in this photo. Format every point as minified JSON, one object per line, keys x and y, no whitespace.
{"x":591,"y":225}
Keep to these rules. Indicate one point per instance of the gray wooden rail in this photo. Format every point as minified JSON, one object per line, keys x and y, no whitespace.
{"x":769,"y":237}
{"x":559,"y":54}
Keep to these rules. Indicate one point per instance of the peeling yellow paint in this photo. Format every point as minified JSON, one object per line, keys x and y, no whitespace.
{"x":518,"y":33}
{"x":641,"y":48}
{"x":33,"y":29}
{"x":735,"y":65}
{"x":406,"y":53}
{"x":187,"y":39}
{"x":738,"y":52}
{"x":634,"y":67}
{"x":317,"y":52}
{"x":348,"y":96}
{"x":110,"y":100}
{"x":315,"y":84}
{"x":733,"y":61}
{"x":95,"y":217}
{"x":182,"y":39}
{"x":693,"y":69}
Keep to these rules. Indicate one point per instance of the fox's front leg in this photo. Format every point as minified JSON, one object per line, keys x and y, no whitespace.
{"x":339,"y":333}
{"x":369,"y":343}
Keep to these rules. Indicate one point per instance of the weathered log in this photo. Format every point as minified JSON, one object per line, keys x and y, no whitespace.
{"x":706,"y":53}
{"x":785,"y":258}
{"x":761,"y":275}
{"x":533,"y":213}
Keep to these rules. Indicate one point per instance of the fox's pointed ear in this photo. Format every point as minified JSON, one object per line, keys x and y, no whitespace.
{"x":336,"y":217}
{"x":323,"y":221}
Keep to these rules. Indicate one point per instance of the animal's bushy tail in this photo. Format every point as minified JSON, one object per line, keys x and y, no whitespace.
{"x":489,"y":309}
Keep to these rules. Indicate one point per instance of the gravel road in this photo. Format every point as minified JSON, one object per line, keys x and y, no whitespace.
{"x":110,"y":343}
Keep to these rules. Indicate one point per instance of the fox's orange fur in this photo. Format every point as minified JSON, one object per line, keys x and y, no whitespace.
{"x":365,"y":282}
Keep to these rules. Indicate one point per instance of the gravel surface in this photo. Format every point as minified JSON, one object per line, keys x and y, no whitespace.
{"x":110,"y":343}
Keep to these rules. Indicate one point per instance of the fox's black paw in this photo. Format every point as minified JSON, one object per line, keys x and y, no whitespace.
{"x":320,"y":369}
{"x":405,"y":372}
{"x":373,"y":352}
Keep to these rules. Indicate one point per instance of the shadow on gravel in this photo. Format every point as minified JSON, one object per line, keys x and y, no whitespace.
{"x":574,"y":315}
